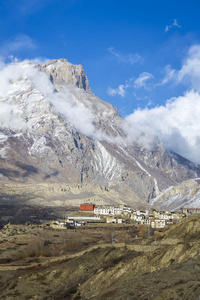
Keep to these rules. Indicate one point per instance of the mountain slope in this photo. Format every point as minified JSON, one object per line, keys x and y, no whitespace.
{"x":185,"y":194}
{"x":53,"y":129}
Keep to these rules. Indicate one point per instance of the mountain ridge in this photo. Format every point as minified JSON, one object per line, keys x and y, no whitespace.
{"x":58,"y":131}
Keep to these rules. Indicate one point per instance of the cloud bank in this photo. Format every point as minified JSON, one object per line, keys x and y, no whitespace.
{"x":177,"y":124}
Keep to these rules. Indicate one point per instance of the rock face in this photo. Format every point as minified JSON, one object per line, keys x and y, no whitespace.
{"x":185,"y":194}
{"x":54,"y":130}
{"x":61,"y":72}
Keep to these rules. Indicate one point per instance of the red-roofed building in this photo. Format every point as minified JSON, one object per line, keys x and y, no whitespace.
{"x":87,"y":207}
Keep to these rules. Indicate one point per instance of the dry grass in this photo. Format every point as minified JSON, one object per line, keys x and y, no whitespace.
{"x":33,"y":241}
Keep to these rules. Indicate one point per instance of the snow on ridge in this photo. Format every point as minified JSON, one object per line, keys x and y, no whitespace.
{"x":3,"y":138}
{"x":55,"y":64}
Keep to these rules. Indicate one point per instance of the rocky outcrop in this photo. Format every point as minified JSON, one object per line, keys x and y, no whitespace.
{"x":185,"y":194}
{"x":58,"y":194}
{"x":61,"y":72}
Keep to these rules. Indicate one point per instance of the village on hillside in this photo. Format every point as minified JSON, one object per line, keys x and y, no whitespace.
{"x":123,"y":214}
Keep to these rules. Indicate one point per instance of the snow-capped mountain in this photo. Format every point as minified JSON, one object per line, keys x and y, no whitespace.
{"x":54,"y":130}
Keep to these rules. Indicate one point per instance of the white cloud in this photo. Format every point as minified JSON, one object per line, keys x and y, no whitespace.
{"x":126,"y":58}
{"x":121,"y":90}
{"x":177,"y":124}
{"x":40,"y":60}
{"x":137,"y":83}
{"x":135,"y":135}
{"x":141,"y":80}
{"x":189,"y":74}
{"x":5,"y":114}
{"x":170,"y":75}
{"x":174,"y":24}
{"x":190,"y":71}
{"x":150,"y":103}
{"x":76,"y":113}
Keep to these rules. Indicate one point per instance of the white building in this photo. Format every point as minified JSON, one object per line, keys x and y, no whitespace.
{"x":104,"y":211}
{"x":157,"y":223}
{"x":138,"y":218}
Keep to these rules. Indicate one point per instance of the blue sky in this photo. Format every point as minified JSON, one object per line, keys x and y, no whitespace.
{"x":137,"y":55}
{"x":115,"y":41}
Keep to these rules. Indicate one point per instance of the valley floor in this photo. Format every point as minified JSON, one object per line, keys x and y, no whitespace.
{"x":39,"y":263}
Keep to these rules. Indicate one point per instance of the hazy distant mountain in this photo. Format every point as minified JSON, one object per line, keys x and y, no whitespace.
{"x":53,"y":130}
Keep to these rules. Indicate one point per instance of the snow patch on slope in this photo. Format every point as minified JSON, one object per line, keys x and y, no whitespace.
{"x":106,"y":164}
{"x":39,"y":146}
{"x":3,"y":138}
{"x":3,"y":152}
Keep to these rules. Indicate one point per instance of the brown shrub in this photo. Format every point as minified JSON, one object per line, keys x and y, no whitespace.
{"x":143,"y":231}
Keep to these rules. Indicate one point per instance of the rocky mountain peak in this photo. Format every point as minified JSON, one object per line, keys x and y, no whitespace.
{"x":61,"y":72}
{"x":53,"y":129}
